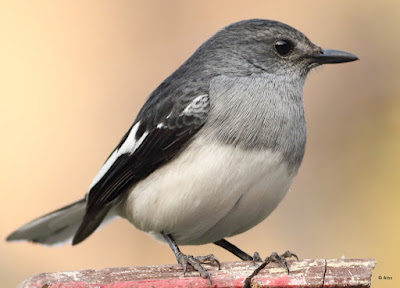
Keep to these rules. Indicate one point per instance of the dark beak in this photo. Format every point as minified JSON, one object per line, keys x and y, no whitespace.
{"x":329,"y":56}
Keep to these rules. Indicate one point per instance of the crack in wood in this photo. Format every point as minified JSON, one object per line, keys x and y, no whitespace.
{"x":247,"y":281}
{"x":323,"y":277}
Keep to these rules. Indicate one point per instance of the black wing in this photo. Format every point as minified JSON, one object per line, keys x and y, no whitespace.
{"x":160,"y":132}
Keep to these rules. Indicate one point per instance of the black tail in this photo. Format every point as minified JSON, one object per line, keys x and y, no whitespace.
{"x":89,"y":224}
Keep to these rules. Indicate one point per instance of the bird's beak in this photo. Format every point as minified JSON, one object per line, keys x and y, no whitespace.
{"x":329,"y":56}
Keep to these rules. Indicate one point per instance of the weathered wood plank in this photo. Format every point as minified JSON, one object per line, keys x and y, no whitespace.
{"x":305,"y":273}
{"x":330,"y":273}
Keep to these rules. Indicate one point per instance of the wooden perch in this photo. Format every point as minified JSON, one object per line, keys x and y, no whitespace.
{"x":305,"y":273}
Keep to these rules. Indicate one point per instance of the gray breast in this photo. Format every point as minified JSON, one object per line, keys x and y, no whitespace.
{"x":259,"y":113}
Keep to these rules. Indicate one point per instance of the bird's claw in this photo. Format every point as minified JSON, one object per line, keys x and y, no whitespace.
{"x":195,"y":262}
{"x":257,"y":258}
{"x":209,"y":259}
{"x":280,"y":259}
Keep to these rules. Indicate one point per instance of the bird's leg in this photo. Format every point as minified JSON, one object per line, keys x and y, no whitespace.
{"x":274,"y":257}
{"x":189,"y":260}
{"x":238,"y":252}
{"x":234,"y":250}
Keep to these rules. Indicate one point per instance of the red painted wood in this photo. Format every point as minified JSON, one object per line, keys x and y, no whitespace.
{"x":331,"y":273}
{"x":334,"y":273}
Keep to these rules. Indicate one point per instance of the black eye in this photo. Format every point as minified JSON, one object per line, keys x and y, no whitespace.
{"x":283,"y":47}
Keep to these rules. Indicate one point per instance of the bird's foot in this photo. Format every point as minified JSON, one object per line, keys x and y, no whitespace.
{"x":257,"y":257}
{"x":195,"y":262}
{"x":276,"y":258}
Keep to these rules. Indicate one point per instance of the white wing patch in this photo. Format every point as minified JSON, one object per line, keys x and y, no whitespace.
{"x":197,"y":105}
{"x":105,"y":168}
{"x":129,"y":146}
{"x":130,"y":142}
{"x":139,"y":142}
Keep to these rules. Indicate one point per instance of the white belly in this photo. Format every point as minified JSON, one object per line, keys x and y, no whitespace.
{"x":215,"y":191}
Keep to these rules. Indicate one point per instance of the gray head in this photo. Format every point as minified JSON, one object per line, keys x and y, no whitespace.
{"x":263,"y":46}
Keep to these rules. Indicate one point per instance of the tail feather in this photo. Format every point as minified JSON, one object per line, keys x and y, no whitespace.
{"x":57,"y":227}
{"x":89,"y":223}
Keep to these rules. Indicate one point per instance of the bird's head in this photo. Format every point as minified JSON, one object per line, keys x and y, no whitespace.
{"x":265,"y":46}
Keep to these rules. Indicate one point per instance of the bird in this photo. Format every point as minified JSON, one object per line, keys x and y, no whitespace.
{"x":213,"y":150}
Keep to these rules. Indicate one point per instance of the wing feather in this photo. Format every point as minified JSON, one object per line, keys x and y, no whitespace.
{"x":160,"y":136}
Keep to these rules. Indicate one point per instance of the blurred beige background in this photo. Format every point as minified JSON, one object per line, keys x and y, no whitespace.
{"x":73,"y":75}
